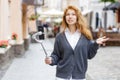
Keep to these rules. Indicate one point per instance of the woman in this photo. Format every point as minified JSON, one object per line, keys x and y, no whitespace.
{"x":73,"y":46}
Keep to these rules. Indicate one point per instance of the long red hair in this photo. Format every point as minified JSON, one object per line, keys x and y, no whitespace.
{"x":81,"y":23}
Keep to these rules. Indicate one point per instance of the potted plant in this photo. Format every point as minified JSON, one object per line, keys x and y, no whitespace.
{"x":3,"y":45}
{"x":13,"y":39}
{"x":14,"y":36}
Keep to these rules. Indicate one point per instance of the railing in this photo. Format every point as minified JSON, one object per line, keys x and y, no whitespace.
{"x":114,"y":38}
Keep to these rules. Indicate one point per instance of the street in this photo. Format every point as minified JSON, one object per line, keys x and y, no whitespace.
{"x":31,"y":66}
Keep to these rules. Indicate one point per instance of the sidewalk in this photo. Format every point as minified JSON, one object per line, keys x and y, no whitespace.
{"x":31,"y":66}
{"x":105,"y":66}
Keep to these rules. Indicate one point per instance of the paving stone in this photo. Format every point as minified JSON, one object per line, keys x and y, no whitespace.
{"x":104,"y":66}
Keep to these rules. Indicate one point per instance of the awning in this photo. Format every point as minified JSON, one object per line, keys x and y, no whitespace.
{"x":51,"y":13}
{"x":113,"y":6}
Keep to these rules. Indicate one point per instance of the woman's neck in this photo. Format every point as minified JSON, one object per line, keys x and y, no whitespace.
{"x":72,"y":28}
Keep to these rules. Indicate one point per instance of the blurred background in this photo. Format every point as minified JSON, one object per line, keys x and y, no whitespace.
{"x":20,"y":19}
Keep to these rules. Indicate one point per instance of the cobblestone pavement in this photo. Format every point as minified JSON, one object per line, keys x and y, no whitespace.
{"x":105,"y":66}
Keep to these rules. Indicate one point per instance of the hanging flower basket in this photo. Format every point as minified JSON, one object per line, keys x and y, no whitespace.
{"x":34,"y":17}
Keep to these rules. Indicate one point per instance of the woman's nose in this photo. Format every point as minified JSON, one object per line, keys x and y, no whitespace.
{"x":70,"y":16}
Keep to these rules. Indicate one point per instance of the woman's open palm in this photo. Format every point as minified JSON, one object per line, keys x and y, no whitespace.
{"x":102,"y":40}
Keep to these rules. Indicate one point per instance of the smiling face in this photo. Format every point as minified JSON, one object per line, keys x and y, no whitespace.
{"x":71,"y":17}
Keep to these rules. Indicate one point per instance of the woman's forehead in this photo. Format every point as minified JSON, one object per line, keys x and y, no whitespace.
{"x":70,"y":10}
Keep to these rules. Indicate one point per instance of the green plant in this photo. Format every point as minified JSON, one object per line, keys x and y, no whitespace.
{"x":112,"y":1}
{"x":14,"y":36}
{"x":34,"y":16}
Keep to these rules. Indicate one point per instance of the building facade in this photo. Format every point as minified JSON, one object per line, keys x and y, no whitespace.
{"x":13,"y":20}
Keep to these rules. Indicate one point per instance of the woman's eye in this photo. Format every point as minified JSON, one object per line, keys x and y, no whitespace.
{"x":67,"y":14}
{"x":70,"y":14}
{"x":73,"y":14}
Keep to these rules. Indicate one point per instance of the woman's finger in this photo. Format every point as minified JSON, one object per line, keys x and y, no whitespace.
{"x":106,"y":39}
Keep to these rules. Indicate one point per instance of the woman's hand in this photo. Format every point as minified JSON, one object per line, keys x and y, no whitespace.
{"x":48,"y":60}
{"x":102,"y":40}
